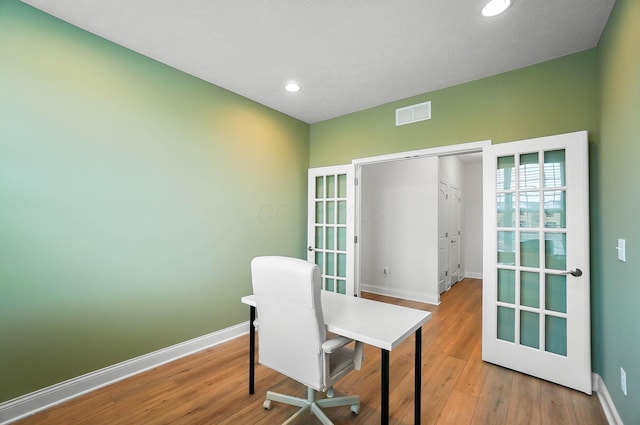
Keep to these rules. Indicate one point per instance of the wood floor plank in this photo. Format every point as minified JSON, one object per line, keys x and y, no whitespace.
{"x":524,"y":401}
{"x":210,"y":387}
{"x":493,"y":402}
{"x":458,"y":410}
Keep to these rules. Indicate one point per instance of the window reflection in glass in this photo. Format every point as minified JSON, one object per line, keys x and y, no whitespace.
{"x":555,"y":206}
{"x":554,"y":168}
{"x":506,"y":174}
{"x":506,"y":210}
{"x":529,"y":171}
{"x":506,"y":248}
{"x":530,"y":209}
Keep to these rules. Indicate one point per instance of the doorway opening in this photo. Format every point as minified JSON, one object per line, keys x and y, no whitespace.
{"x":399,"y":221}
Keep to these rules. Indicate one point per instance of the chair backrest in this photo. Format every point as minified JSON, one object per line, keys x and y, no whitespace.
{"x":291,"y":325}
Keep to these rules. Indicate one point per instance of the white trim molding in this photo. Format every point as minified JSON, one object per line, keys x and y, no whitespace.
{"x":610,"y":411}
{"x":26,"y":405}
{"x":405,"y":295}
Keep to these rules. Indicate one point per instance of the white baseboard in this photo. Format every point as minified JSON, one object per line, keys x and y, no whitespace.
{"x":26,"y":405}
{"x":405,"y":295}
{"x":606,"y":402}
{"x":473,"y":275}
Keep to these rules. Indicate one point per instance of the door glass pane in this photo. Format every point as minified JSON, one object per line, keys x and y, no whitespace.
{"x":529,"y":249}
{"x":507,"y":286}
{"x":330,"y":264}
{"x":342,"y":265}
{"x":506,"y":324}
{"x":529,"y":329}
{"x":555,"y":250}
{"x":319,"y":261}
{"x":342,"y":185}
{"x":330,"y":238}
{"x":319,"y":238}
{"x":556,"y":293}
{"x":319,"y":187}
{"x":329,"y":285}
{"x":530,"y":209}
{"x":556,"y":335}
{"x":530,"y":289}
{"x":342,"y":238}
{"x":529,"y":171}
{"x":506,"y":209}
{"x":555,"y":206}
{"x":319,"y":212}
{"x":506,"y":175}
{"x":554,"y":170}
{"x":331,"y":212}
{"x":342,"y":286}
{"x":506,"y":248}
{"x":331,"y":186}
{"x":342,"y":212}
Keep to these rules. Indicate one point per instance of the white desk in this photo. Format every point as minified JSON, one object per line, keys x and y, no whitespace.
{"x":375,"y":323}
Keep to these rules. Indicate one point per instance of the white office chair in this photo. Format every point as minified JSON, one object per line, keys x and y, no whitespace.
{"x":292,"y":335}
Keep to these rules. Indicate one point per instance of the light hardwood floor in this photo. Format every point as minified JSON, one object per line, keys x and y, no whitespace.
{"x":210,"y":387}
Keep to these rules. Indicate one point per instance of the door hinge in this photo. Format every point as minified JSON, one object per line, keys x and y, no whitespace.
{"x":355,"y":181}
{"x":355,"y":239}
{"x":458,"y":265}
{"x":446,"y":273}
{"x":446,"y":234}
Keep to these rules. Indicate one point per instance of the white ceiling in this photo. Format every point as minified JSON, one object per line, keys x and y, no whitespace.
{"x":348,"y":55}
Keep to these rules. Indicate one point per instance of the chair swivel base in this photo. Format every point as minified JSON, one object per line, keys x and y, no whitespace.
{"x":312,"y":406}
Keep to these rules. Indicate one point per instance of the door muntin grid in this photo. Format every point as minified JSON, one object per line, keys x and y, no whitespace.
{"x":531,"y":250}
{"x":331,"y":230}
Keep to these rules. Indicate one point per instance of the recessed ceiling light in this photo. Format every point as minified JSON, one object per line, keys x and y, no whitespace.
{"x":292,"y":87}
{"x":495,"y":7}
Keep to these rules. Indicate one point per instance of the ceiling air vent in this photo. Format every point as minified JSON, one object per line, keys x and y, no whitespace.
{"x":413,"y":113}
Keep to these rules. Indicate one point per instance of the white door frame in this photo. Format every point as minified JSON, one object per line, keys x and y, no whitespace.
{"x":459,"y":149}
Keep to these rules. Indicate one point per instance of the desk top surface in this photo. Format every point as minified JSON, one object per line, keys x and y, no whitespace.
{"x":372,"y":322}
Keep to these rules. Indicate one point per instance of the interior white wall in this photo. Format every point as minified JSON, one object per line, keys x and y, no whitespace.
{"x":472,"y":219}
{"x":399,"y":229}
{"x":451,"y":170}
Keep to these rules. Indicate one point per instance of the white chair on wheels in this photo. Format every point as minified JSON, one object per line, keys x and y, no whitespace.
{"x":292,"y":335}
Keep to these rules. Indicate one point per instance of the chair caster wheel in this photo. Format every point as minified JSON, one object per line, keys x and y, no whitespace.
{"x":355,"y":409}
{"x":267,"y":405}
{"x":330,"y":393}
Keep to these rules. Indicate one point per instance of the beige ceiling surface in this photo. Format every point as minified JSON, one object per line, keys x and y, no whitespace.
{"x":347,"y":55}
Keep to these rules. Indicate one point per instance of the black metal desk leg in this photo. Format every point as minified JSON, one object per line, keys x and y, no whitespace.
{"x":252,"y":348}
{"x":384,"y":399}
{"x":418,"y":377}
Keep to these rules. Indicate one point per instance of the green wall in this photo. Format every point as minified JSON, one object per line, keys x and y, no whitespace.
{"x":132,"y":198}
{"x":618,"y":207}
{"x":554,"y":97}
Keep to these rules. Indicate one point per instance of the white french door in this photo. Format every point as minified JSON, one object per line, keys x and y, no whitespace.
{"x":536,"y":312}
{"x":330,"y":229}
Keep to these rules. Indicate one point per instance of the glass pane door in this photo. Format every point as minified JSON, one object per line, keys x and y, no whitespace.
{"x":536,"y":310}
{"x":531,"y":250}
{"x":331,"y":226}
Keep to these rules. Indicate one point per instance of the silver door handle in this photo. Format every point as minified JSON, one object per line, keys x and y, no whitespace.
{"x":576,"y":272}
